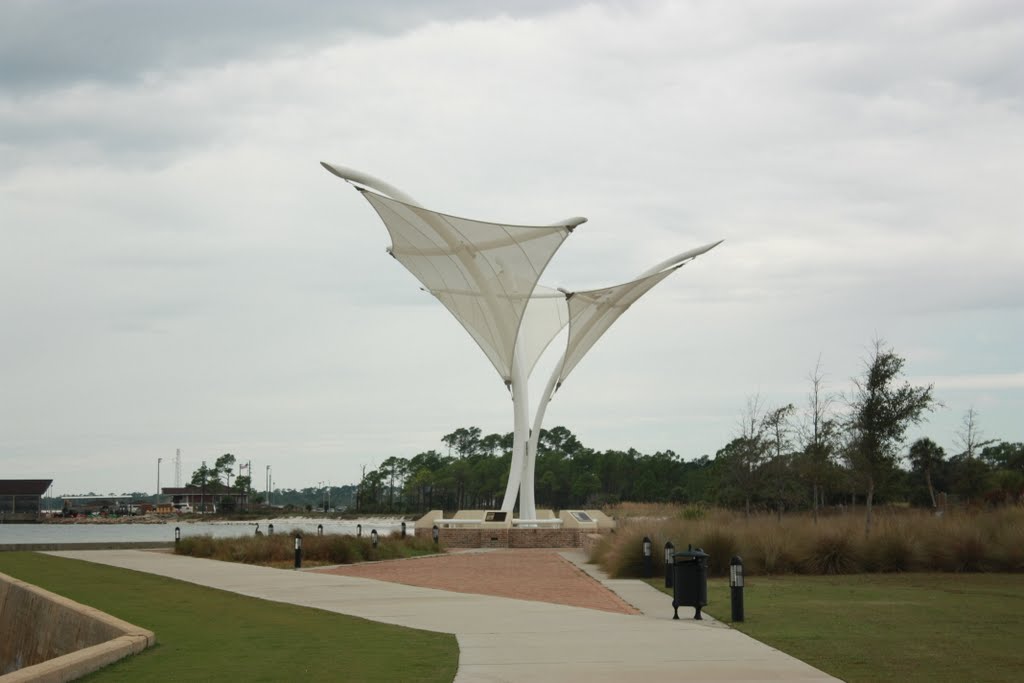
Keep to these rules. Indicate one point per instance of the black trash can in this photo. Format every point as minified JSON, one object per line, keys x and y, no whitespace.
{"x":689,"y":580}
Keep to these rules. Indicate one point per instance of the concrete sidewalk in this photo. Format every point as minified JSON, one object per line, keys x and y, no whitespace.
{"x":502,"y":639}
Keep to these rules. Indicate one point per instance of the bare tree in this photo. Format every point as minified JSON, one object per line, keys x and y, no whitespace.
{"x":970,"y":438}
{"x":818,"y":434}
{"x":751,"y":423}
{"x":745,"y":454}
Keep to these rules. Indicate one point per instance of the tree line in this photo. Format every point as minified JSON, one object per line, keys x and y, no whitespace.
{"x":835,"y":449}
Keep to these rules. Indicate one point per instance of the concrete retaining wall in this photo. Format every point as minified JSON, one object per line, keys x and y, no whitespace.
{"x":46,"y":637}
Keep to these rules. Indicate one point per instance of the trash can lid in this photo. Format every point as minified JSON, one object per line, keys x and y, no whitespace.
{"x":686,"y":555}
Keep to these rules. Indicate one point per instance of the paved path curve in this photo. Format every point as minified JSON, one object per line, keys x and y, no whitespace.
{"x":502,"y":639}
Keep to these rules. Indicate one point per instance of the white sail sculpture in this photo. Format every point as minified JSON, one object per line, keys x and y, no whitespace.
{"x":590,"y":313}
{"x":486,"y":275}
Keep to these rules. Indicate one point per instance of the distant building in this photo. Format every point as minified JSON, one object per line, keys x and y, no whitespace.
{"x":74,"y":506}
{"x":21,"y":500}
{"x":212,"y":498}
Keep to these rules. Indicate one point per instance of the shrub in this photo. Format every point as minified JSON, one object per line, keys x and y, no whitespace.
{"x":279,"y":549}
{"x":196,"y":546}
{"x":696,"y":511}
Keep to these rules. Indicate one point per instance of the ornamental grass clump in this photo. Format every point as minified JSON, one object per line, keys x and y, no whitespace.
{"x":890,"y":550}
{"x":832,"y":553}
{"x":903,"y":540}
{"x":774,"y":551}
{"x":968,"y":552}
{"x":623,"y":555}
{"x":1007,"y":541}
{"x":721,"y":545}
{"x":196,"y":546}
{"x":958,"y":543}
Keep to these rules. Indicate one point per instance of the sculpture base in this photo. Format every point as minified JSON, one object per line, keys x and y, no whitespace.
{"x":498,"y":529}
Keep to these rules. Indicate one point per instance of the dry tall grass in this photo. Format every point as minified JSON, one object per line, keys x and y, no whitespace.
{"x":279,"y":549}
{"x":902,"y":540}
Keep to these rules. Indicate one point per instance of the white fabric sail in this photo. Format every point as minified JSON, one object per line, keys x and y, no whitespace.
{"x":592,"y":312}
{"x":546,"y":315}
{"x":484,"y":273}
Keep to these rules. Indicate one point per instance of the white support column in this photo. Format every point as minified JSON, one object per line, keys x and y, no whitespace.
{"x":520,"y":434}
{"x":530,"y":466}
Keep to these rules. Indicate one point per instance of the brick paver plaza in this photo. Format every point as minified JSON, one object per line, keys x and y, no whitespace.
{"x":535,"y":574}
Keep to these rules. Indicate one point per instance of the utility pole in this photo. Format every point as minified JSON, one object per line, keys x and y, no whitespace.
{"x":244,"y":494}
{"x":359,"y":489}
{"x":157,"y":498}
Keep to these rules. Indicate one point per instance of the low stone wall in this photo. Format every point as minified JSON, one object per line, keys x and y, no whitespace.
{"x":514,"y":538}
{"x":544,"y":538}
{"x":49,"y":638}
{"x":469,"y":538}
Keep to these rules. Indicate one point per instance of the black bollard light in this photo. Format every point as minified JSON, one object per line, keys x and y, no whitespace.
{"x":298,"y":551}
{"x":669,"y":549}
{"x":270,"y":530}
{"x":403,"y":529}
{"x":436,"y":533}
{"x":319,"y":529}
{"x":648,"y":560}
{"x":177,"y":534}
{"x":736,"y":587}
{"x":373,"y":538}
{"x":359,"y":530}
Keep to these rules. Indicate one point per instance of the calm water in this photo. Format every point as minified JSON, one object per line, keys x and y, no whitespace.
{"x":99,"y":533}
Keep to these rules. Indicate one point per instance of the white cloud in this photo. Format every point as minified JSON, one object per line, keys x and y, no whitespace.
{"x":178,"y":270}
{"x":986,"y":382}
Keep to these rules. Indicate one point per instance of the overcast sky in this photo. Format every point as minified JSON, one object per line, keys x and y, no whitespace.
{"x":178,"y":271}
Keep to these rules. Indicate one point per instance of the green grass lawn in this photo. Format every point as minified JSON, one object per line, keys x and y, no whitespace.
{"x":206,"y":634}
{"x":887,"y":627}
